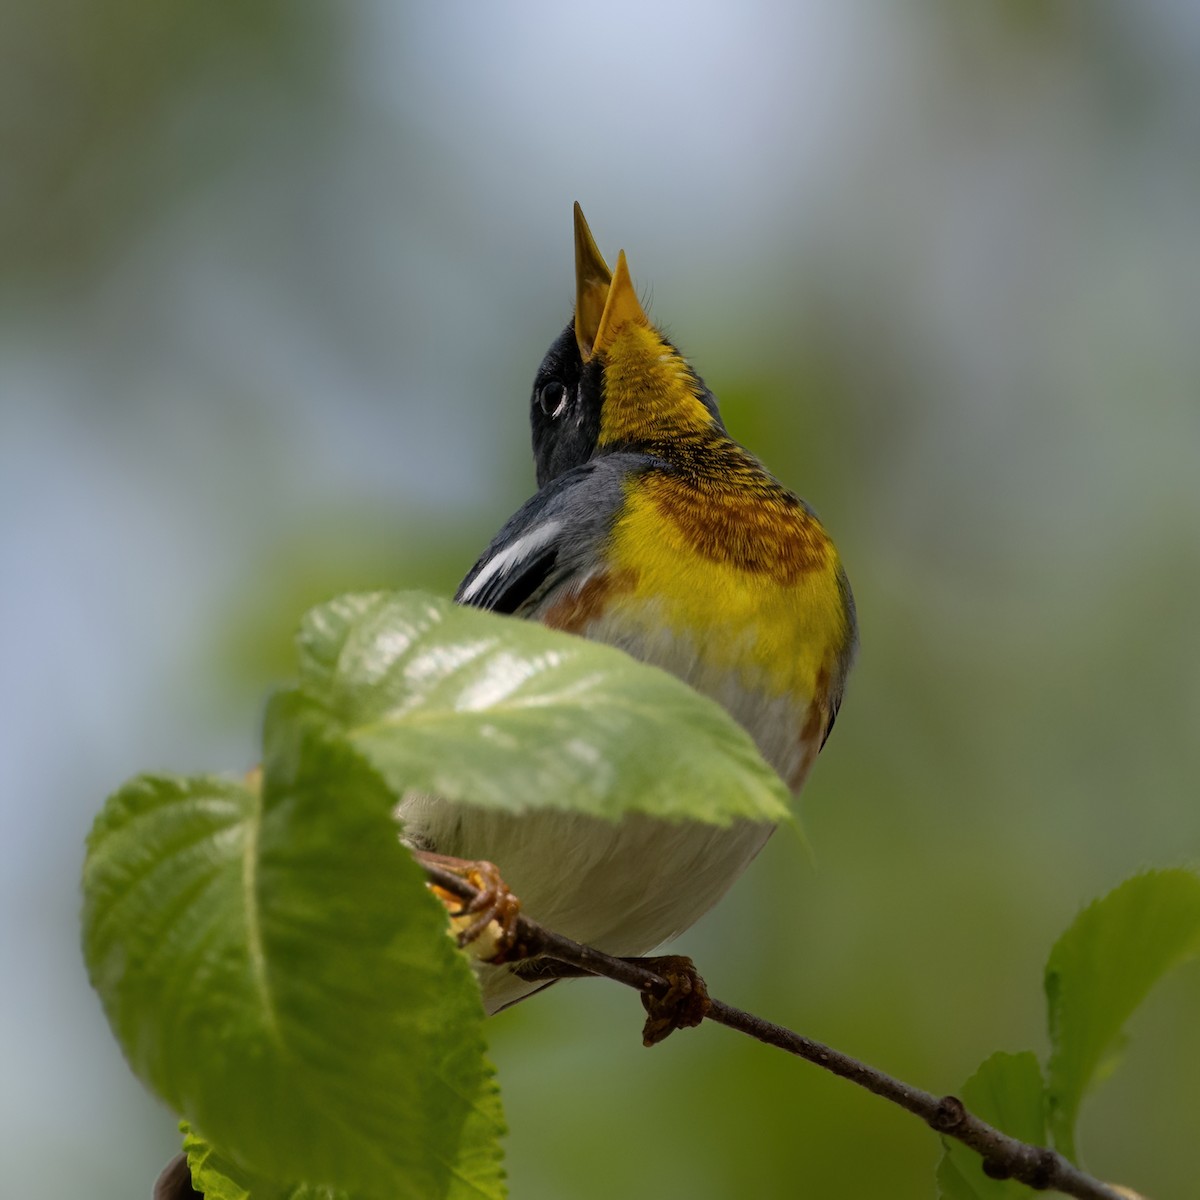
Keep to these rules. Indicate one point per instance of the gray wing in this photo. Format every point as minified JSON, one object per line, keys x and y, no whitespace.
{"x":555,"y":535}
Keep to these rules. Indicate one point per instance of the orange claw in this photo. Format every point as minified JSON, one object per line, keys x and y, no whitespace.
{"x":487,"y":923}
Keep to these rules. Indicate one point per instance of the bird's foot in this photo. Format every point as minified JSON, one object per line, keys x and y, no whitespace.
{"x":685,"y":1002}
{"x":486,"y":924}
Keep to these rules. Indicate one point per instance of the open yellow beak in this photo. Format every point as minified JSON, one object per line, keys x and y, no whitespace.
{"x":604,"y":301}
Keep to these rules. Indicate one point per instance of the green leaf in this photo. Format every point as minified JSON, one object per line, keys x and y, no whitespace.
{"x":1006,"y":1092}
{"x":1099,"y":972}
{"x":275,"y":969}
{"x":219,"y":1178}
{"x":505,"y":713}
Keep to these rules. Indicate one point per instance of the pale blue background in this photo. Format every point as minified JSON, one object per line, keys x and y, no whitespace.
{"x":274,"y":279}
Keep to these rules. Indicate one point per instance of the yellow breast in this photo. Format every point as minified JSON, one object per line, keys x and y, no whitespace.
{"x":734,"y":586}
{"x":752,"y":576}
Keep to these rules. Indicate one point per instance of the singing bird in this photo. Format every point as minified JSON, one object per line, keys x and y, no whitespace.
{"x":654,"y":531}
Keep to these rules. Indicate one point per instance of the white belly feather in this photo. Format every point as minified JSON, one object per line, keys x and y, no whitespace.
{"x":624,"y":887}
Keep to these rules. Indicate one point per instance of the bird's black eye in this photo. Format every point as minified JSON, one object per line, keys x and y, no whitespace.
{"x":552,"y":398}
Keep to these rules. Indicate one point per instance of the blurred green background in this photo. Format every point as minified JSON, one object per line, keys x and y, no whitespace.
{"x":274,"y":280}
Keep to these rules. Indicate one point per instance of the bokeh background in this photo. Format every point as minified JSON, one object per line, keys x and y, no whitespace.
{"x":274,"y":280}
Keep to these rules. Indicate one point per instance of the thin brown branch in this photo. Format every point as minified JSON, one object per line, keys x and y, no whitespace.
{"x":1003,"y":1157}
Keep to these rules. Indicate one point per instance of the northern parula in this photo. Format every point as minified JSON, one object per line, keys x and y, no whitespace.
{"x":652,"y":530}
